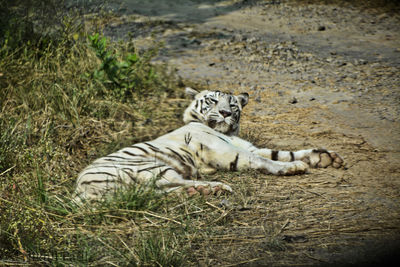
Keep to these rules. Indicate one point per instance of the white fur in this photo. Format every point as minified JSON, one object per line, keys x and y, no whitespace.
{"x":207,"y":143}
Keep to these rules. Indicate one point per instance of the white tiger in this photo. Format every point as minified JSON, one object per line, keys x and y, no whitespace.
{"x":208,"y":142}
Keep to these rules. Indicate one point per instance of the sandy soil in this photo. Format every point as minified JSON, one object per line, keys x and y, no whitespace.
{"x":319,"y":76}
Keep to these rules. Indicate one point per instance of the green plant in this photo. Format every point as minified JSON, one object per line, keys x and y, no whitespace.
{"x":127,"y":74}
{"x":10,"y":144}
{"x":160,"y":249}
{"x":135,"y":197}
{"x":41,"y":190}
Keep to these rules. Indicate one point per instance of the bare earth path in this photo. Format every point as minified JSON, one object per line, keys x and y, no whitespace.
{"x":319,"y":76}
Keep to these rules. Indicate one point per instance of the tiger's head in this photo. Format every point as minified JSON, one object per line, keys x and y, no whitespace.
{"x":220,"y":111}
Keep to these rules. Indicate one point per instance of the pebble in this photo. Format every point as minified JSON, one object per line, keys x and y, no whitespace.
{"x":293,"y":100}
{"x":225,"y":203}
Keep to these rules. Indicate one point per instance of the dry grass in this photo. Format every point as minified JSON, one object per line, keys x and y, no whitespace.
{"x":56,"y":117}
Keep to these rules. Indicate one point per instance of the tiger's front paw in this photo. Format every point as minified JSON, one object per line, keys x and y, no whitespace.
{"x":295,"y":167}
{"x":289,"y":168}
{"x":322,"y":158}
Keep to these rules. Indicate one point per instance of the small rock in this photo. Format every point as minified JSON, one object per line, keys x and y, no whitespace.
{"x":295,"y":238}
{"x":195,"y":41}
{"x":147,"y":122}
{"x":293,"y":100}
{"x":252,"y":40}
{"x":225,"y":203}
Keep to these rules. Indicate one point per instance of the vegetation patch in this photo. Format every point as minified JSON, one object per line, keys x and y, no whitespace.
{"x":67,"y":96}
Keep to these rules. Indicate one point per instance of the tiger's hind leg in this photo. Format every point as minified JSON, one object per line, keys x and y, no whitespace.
{"x":103,"y":177}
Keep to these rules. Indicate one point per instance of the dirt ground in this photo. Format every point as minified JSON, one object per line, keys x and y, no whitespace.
{"x":319,"y":75}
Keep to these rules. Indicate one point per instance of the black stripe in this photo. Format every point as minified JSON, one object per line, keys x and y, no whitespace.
{"x":111,"y":160}
{"x":188,"y":138}
{"x":97,"y":181}
{"x":194,"y":116}
{"x":320,"y":150}
{"x":274,"y":155}
{"x":129,"y":153}
{"x":132,"y":162}
{"x":129,"y":173}
{"x":151,"y":146}
{"x":291,"y":156}
{"x":189,"y":159}
{"x":105,"y":173}
{"x":216,"y":136}
{"x":155,"y":149}
{"x":151,"y":168}
{"x":176,"y":153}
{"x":117,"y":164}
{"x":165,"y":170}
{"x":117,"y":157}
{"x":233,"y":164}
{"x":223,"y":139}
{"x":140,"y":148}
{"x":186,"y":151}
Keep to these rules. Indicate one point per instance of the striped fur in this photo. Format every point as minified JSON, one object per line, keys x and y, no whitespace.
{"x":208,"y":142}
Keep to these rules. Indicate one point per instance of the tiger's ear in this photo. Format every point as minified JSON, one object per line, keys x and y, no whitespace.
{"x":191,"y":92}
{"x":243,"y":99}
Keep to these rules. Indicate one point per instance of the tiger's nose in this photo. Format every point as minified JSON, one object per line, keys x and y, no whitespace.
{"x":225,"y":113}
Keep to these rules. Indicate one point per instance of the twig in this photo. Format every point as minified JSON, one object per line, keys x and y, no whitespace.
{"x":223,"y":215}
{"x":9,"y":169}
{"x":243,"y":262}
{"x":20,"y":248}
{"x":312,"y":192}
{"x":215,"y":207}
{"x":116,"y":217}
{"x":283,"y":226}
{"x":13,"y":263}
{"x":151,"y":214}
{"x":130,"y":250}
{"x":32,"y":209}
{"x":314,"y":258}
